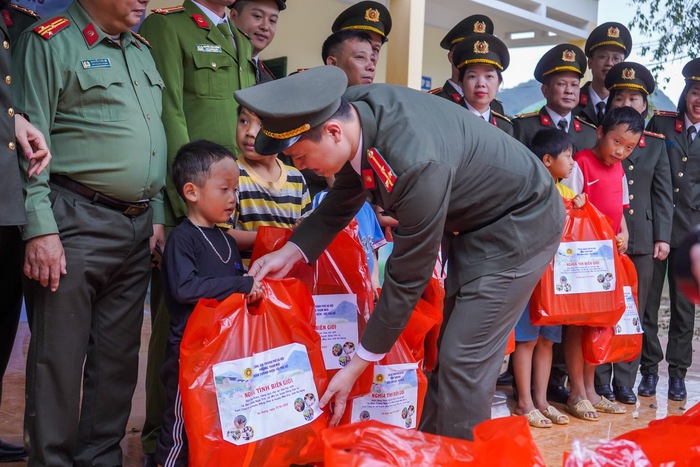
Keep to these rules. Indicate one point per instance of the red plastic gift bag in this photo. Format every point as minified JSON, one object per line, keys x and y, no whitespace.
{"x":251,"y":378}
{"x":397,"y":394}
{"x":341,"y":270}
{"x":580,"y":285}
{"x":507,"y":441}
{"x":615,"y":344}
{"x":510,"y":347}
{"x":372,"y":443}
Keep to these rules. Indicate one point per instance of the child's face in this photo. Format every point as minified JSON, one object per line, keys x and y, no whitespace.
{"x":562,"y":166}
{"x":215,"y":201}
{"x":616,"y":145}
{"x":247,"y":129}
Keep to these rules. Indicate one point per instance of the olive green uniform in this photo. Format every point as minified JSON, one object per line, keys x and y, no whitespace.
{"x":527,"y":125}
{"x":99,"y":103}
{"x":449,"y":92}
{"x":585,"y":109}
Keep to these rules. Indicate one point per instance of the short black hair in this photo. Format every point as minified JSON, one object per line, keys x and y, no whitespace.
{"x":626,"y":116}
{"x":552,"y":141}
{"x":238,"y":5}
{"x":342,"y":114}
{"x":193,"y":162}
{"x":333,"y":42}
{"x":614,"y":92}
{"x":682,"y":105}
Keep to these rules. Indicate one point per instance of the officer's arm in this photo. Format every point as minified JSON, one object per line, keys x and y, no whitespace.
{"x":168,"y":57}
{"x":36,"y":85}
{"x":662,"y":198}
{"x":422,"y":195}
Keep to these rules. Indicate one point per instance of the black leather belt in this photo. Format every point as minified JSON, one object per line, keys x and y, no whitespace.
{"x":128,"y":209}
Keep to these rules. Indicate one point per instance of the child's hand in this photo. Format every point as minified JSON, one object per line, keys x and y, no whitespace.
{"x":622,"y":239}
{"x":579,"y":201}
{"x":256,"y":292}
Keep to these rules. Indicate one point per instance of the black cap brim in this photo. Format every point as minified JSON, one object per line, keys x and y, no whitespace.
{"x":266,"y":146}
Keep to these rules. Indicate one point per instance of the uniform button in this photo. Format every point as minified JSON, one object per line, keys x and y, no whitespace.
{"x":11,"y":112}
{"x":148,"y":116}
{"x":631,"y":167}
{"x":680,"y":174}
{"x":631,"y":211}
{"x":153,"y":153}
{"x":6,"y":44}
{"x":684,"y":159}
{"x":11,"y":145}
{"x":676,"y":190}
{"x":631,"y":197}
{"x":8,"y":80}
{"x":631,"y":182}
{"x":213,"y":64}
{"x":136,"y":83}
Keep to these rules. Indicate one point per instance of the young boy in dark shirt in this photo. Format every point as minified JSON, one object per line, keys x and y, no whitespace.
{"x":200,"y":261}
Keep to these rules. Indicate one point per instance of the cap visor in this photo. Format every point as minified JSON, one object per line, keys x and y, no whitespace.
{"x":266,"y":146}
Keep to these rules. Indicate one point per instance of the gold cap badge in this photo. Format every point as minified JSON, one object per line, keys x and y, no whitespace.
{"x":628,"y":73}
{"x":568,"y":56}
{"x":480,"y":27}
{"x":372,"y":14}
{"x":481,"y":47}
{"x":613,"y":32}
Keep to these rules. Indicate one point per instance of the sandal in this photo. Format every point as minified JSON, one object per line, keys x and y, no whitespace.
{"x":607,"y":406}
{"x":537,"y":420}
{"x":581,"y":409}
{"x":555,"y":416}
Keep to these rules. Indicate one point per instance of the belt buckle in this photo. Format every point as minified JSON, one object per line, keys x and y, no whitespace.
{"x":135,"y":209}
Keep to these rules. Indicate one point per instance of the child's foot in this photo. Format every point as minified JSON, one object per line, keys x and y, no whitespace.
{"x":582,"y":409}
{"x":536,"y":419}
{"x":555,"y":415}
{"x":607,"y":406}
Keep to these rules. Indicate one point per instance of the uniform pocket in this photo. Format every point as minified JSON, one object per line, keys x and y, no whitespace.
{"x":157,"y":86}
{"x":103,"y":96}
{"x":212,"y":75}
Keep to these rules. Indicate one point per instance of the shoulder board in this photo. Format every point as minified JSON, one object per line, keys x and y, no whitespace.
{"x":497,"y":100}
{"x":48,"y":29}
{"x":142,"y":39}
{"x":26,"y":11}
{"x":382,"y":169}
{"x":665,"y":113}
{"x":500,"y":116}
{"x":655,"y":135}
{"x":585,"y":122}
{"x":168,"y":10}
{"x":435,"y":91}
{"x":531,"y":114}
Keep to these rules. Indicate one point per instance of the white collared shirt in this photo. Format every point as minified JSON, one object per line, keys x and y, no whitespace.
{"x":595,"y":98}
{"x":556,"y":117}
{"x":457,"y":87}
{"x":486,"y":115}
{"x":688,"y":124}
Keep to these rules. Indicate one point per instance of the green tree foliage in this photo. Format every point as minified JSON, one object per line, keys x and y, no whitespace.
{"x":674,"y":26}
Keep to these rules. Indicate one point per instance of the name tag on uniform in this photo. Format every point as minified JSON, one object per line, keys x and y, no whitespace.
{"x":96,"y":63}
{"x":209,"y":48}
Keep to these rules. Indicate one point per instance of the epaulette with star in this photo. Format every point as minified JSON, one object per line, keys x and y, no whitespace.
{"x":665,"y":113}
{"x":527,"y":115}
{"x":501,"y":116}
{"x":576,"y":117}
{"x":142,"y":39}
{"x":168,"y":10}
{"x":435,"y":91}
{"x":49,"y":29}
{"x":655,"y":135}
{"x":26,"y":11}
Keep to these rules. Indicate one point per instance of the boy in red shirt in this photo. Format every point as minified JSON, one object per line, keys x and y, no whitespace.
{"x":599,"y":174}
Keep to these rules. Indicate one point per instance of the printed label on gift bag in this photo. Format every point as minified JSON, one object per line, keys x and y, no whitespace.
{"x":583,"y":267}
{"x":266,"y":394}
{"x":336,"y":323}
{"x":393,"y":399}
{"x":630,"y":322}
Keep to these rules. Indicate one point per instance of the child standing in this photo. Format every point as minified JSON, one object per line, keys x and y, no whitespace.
{"x":199,"y":261}
{"x":270,"y":193}
{"x":532,"y":358}
{"x":599,"y":174}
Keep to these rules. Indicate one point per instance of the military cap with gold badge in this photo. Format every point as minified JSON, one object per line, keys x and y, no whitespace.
{"x":291,"y":106}
{"x":610,"y":34}
{"x":630,"y":75}
{"x":481,"y":49}
{"x":365,"y":16}
{"x":691,"y":71}
{"x":474,"y":24}
{"x":281,"y":4}
{"x":560,"y":58}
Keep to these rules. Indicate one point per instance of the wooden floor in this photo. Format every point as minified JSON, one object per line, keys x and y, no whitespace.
{"x":552,"y":441}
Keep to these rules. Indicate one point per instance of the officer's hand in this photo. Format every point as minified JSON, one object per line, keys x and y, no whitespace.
{"x":33,"y":145}
{"x":158,"y":237}
{"x":661,"y":250}
{"x":44,"y":260}
{"x":340,"y":387}
{"x":276,"y":264}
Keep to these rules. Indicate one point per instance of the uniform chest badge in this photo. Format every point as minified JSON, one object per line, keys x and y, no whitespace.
{"x":96,"y":63}
{"x":382,"y":169}
{"x":209,"y":48}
